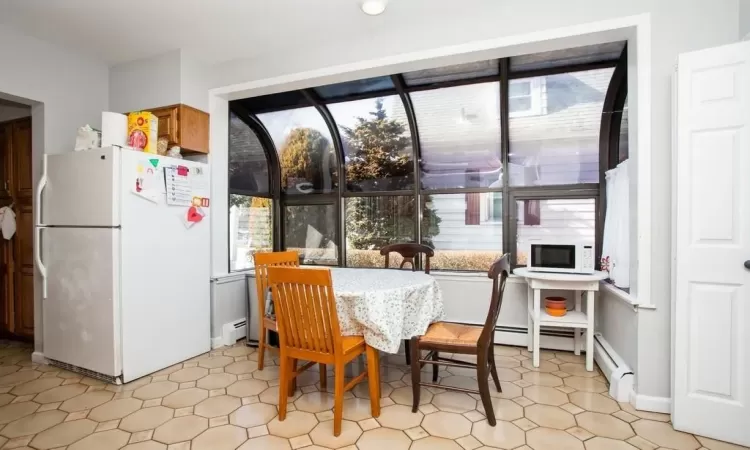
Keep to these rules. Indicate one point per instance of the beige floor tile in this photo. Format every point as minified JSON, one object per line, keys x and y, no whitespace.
{"x":627,"y":407}
{"x":543,"y":379}
{"x":569,"y":357}
{"x":509,"y":375}
{"x":15,"y":411}
{"x":36,"y":386}
{"x":545,"y":395}
{"x":718,"y":445}
{"x":594,"y":402}
{"x":156,"y":390}
{"x":383,"y":438}
{"x":242,"y":350}
{"x":504,"y":350}
{"x":507,"y":410}
{"x":109,"y":425}
{"x":549,"y":439}
{"x":19,"y":377}
{"x":106,"y":440}
{"x":460,"y":382}
{"x":474,"y":416}
{"x":247,"y":388}
{"x":115,"y":409}
{"x":468,"y":442}
{"x":447,"y":425}
{"x":216,"y":381}
{"x":271,"y":396}
{"x":322,"y":434}
{"x":368,"y":424}
{"x":605,"y":425}
{"x":217,"y":406}
{"x":355,"y":409}
{"x":314,"y":402}
{"x":215,"y":362}
{"x":579,"y":370}
{"x":33,"y":424}
{"x":579,"y":433}
{"x":503,"y":435}
{"x":6,"y":398}
{"x":296,"y":423}
{"x":403,"y":396}
{"x":77,"y":415}
{"x":180,"y":429}
{"x":300,"y":441}
{"x":663,"y":434}
{"x":49,"y":406}
{"x":399,"y":417}
{"x":266,"y":443}
{"x":506,"y":362}
{"x":416,"y":433}
{"x":60,"y":393}
{"x":218,"y":421}
{"x":600,"y":443}
{"x":509,"y":390}
{"x":550,"y":416}
{"x":147,"y":445}
{"x":524,"y":424}
{"x":184,"y":398}
{"x":586,"y":384}
{"x":523,"y":401}
{"x":456,"y":402}
{"x":249,"y":416}
{"x":64,"y":434}
{"x":188,"y":374}
{"x":141,"y":436}
{"x":18,"y":443}
{"x":571,"y":408}
{"x":435,"y":443}
{"x":241,"y":367}
{"x":146,"y":419}
{"x":544,"y":366}
{"x":625,"y":416}
{"x":133,"y":385}
{"x":226,"y":437}
{"x":179,"y":446}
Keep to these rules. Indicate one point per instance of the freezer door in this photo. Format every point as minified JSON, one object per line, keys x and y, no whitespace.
{"x":166,"y":312}
{"x":82,"y":189}
{"x":80,"y":313}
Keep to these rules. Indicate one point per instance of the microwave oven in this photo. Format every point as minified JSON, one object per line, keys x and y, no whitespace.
{"x":561,"y":258}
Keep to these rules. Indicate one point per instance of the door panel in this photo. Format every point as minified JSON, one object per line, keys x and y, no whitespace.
{"x":24,"y":281}
{"x":7,"y":270}
{"x":711,"y":313}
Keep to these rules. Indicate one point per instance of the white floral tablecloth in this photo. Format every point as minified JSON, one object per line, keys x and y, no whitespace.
{"x":386,"y":306}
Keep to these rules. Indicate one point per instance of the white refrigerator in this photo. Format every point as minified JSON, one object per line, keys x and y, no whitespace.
{"x":126,"y":277}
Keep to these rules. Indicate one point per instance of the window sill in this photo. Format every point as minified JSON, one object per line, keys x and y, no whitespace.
{"x":623,"y":296}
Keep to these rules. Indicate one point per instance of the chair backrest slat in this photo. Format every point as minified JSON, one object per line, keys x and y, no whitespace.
{"x":408,"y":252}
{"x":264,"y":260}
{"x":305,"y":309}
{"x":499,"y":271}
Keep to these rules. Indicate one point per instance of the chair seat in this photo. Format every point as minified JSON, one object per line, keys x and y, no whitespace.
{"x":350,"y":343}
{"x":447,"y":333}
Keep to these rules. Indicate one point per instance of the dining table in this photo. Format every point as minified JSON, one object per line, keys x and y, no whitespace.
{"x":386,"y":306}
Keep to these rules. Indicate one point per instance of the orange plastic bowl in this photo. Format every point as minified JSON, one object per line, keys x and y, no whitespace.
{"x":557,"y":312}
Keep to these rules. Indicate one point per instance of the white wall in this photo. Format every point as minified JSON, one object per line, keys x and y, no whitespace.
{"x":617,"y":321}
{"x":65,"y":91}
{"x":744,"y":19}
{"x":676,"y":26}
{"x":8,"y":112}
{"x":146,"y":83}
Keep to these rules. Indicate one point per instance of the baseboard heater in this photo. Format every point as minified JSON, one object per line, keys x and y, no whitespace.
{"x":619,"y":374}
{"x":233,"y":331}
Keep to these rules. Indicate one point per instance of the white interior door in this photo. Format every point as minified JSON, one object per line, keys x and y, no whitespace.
{"x":711,"y":311}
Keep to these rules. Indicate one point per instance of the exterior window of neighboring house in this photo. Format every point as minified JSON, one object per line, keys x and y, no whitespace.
{"x":526,"y":97}
{"x":427,"y":156}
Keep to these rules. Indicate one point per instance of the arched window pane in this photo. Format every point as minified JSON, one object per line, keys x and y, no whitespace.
{"x":311,"y":231}
{"x":554,"y":128}
{"x":459,"y":132}
{"x":377,"y":144}
{"x":306,"y":152}
{"x":248,"y":168}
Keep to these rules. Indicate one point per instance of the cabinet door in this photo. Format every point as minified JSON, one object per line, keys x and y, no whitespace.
{"x":21,"y":186}
{"x":168,"y":125}
{"x":193,"y":129}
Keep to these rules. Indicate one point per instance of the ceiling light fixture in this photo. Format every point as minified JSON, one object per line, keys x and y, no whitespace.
{"x":373,"y":7}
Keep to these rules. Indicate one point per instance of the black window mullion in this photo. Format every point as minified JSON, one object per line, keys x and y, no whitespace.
{"x":508,"y":237}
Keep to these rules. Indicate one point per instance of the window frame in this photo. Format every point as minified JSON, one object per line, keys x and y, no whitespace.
{"x":608,"y":137}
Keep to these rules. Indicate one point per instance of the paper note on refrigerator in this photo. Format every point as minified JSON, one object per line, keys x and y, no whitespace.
{"x":179,"y":186}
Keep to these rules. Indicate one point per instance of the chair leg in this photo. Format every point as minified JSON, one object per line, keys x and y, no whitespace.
{"x":261,"y":346}
{"x":373,"y":379}
{"x":283,"y":386}
{"x":323,"y":377}
{"x":493,"y":371}
{"x":416,"y":375}
{"x":292,"y":379}
{"x":435,"y":367}
{"x":338,"y":397}
{"x":407,"y":352}
{"x":484,"y":387}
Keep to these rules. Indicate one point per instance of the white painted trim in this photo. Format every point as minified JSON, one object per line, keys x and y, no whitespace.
{"x":546,"y":342}
{"x":615,"y":369}
{"x":217,"y":342}
{"x":619,"y":294}
{"x":653,"y":404}
{"x":38,"y":358}
{"x":747,"y":37}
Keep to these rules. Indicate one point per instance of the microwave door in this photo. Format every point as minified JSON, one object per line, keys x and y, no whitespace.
{"x":553,"y":258}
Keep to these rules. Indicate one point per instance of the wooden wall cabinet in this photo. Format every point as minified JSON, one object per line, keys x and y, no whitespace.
{"x":184,"y":126}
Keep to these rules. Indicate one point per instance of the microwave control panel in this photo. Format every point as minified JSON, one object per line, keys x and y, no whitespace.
{"x":587,"y":260}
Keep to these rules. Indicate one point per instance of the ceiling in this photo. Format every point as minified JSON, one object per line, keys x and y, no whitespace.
{"x":215,"y":30}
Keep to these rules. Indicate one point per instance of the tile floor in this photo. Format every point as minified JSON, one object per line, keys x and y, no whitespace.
{"x":220,"y":401}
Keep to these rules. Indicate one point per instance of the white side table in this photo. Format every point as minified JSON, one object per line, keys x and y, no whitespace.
{"x":578,"y":320}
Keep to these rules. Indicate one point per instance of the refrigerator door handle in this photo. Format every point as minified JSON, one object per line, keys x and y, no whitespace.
{"x":39,"y":189}
{"x":38,"y":258}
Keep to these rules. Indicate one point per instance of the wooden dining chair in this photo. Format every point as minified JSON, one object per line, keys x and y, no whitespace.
{"x":264,"y":260}
{"x":308,"y":328}
{"x":466,"y":340}
{"x":408,"y":252}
